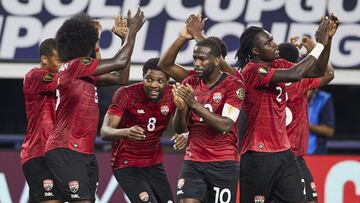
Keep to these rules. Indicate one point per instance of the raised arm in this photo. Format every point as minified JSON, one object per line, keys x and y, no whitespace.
{"x":181,"y":113}
{"x":120,"y":77}
{"x":122,"y":57}
{"x":167,"y":59}
{"x":315,"y":60}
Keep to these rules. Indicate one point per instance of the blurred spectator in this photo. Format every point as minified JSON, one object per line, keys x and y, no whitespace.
{"x":321,"y":119}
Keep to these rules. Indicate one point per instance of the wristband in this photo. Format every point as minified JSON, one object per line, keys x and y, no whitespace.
{"x":317,"y":50}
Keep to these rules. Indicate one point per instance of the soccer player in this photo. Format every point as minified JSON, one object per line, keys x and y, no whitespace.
{"x":135,"y":121}
{"x":297,"y":123}
{"x":268,"y":167}
{"x":70,"y":147}
{"x":39,"y":91}
{"x":212,"y":102}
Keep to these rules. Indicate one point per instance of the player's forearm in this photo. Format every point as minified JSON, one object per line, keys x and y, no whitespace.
{"x":167,"y":60}
{"x":322,"y":130}
{"x":112,"y":134}
{"x":219,"y":123}
{"x":328,"y":77}
{"x":180,"y":121}
{"x":121,"y":58}
{"x":319,"y":69}
{"x":225,"y":67}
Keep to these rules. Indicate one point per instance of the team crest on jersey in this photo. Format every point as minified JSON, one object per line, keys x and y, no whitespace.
{"x":86,"y":60}
{"x":180,"y":183}
{"x":74,"y":186}
{"x":48,"y":184}
{"x":240,"y":93}
{"x":259,"y":199}
{"x":48,"y":77}
{"x":144,"y":196}
{"x":164,"y":109}
{"x":313,"y":186}
{"x":263,"y":71}
{"x":217,"y":97}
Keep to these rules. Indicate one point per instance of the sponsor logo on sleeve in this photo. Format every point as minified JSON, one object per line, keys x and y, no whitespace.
{"x":48,"y":77}
{"x":86,"y":60}
{"x":263,"y":71}
{"x":240,"y":93}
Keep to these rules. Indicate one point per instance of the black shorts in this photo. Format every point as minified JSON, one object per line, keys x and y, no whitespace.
{"x":310,"y":187}
{"x":40,"y":180}
{"x":76,"y":174}
{"x":270,"y":176}
{"x":145,"y":184}
{"x":208,"y":181}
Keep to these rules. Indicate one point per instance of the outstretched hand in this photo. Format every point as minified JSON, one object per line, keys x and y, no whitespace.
{"x":120,"y":27}
{"x":195,"y":25}
{"x":136,"y":22}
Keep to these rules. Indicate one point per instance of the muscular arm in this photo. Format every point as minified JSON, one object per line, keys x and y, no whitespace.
{"x":122,"y":57}
{"x":180,"y":120}
{"x":328,"y":77}
{"x":109,"y":131}
{"x":219,"y":123}
{"x":167,"y":60}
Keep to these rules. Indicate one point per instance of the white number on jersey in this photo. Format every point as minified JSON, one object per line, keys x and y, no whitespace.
{"x":151,"y":124}
{"x":208,"y":107}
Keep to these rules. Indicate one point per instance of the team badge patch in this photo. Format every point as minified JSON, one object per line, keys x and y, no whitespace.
{"x":217,"y":97}
{"x":74,"y":186}
{"x":164,"y":109}
{"x":48,"y":184}
{"x":48,"y":77}
{"x":240,"y":93}
{"x":86,"y":60}
{"x":144,"y":196}
{"x":263,"y":71}
{"x":259,"y":199}
{"x":180,"y":183}
{"x":313,"y":186}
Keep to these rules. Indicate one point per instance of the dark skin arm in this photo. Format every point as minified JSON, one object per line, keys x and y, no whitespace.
{"x":195,"y":26}
{"x":328,"y":77}
{"x":110,"y":132}
{"x":301,"y":69}
{"x":120,"y":77}
{"x":322,"y":130}
{"x":181,"y":113}
{"x":122,"y":57}
{"x":219,"y":123}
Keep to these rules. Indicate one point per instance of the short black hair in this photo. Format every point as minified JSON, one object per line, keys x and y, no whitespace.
{"x":247,"y":39}
{"x":222,"y":44}
{"x":47,"y":46}
{"x":152,"y":64}
{"x":215,"y":49}
{"x":289,"y":52}
{"x":76,"y":37}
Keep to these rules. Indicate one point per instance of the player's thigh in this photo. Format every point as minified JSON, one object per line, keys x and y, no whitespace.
{"x":222,"y":180}
{"x":289,"y":185}
{"x":158,"y":180}
{"x":40,"y":180}
{"x":310,"y":187}
{"x":191,"y":183}
{"x":257,"y":172}
{"x":71,"y":172}
{"x":135,"y":185}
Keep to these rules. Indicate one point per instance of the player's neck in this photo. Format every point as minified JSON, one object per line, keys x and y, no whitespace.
{"x":265,"y":63}
{"x":213,"y":78}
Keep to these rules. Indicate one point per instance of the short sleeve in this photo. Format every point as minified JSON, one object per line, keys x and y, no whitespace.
{"x":256,"y":76}
{"x":120,"y":102}
{"x":83,"y":68}
{"x":41,"y":82}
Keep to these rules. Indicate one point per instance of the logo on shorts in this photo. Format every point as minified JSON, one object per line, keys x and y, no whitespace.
{"x":180,"y":183}
{"x":313,"y":186}
{"x":259,"y":199}
{"x":164,"y":109}
{"x":217,"y":97}
{"x":144,"y":196}
{"x":48,"y":184}
{"x":74,"y":186}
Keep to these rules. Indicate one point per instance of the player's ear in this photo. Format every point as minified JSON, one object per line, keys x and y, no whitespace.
{"x":43,"y":60}
{"x":255,"y":51}
{"x":217,"y":60}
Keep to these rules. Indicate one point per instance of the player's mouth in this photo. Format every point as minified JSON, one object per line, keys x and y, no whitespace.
{"x":153,"y":93}
{"x":277,"y":53}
